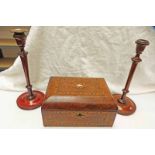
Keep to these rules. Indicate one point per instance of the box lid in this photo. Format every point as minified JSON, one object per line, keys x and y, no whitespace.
{"x":74,"y":93}
{"x":76,"y":103}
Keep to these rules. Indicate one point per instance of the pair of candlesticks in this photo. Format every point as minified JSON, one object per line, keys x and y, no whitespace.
{"x":33,"y":99}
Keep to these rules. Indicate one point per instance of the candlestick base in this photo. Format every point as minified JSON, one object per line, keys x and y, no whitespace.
{"x":127,"y":108}
{"x":25,"y":103}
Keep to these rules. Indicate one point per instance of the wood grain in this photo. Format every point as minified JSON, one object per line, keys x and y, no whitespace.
{"x":76,"y":101}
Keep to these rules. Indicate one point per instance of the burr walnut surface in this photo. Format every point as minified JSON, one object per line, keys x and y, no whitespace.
{"x":74,"y":101}
{"x":75,"y":86}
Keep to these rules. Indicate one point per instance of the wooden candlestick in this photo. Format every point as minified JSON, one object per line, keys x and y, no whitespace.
{"x":32,"y":98}
{"x":125,"y":105}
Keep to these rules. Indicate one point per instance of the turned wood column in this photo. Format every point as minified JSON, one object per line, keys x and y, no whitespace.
{"x":20,"y":38}
{"x":125,"y":105}
{"x":32,"y":98}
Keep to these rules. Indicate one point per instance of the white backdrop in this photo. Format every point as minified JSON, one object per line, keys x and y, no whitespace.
{"x":88,"y":52}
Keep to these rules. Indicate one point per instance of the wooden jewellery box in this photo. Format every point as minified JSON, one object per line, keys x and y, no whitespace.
{"x":74,"y":101}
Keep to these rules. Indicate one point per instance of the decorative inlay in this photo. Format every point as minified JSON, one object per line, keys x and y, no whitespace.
{"x":80,"y":86}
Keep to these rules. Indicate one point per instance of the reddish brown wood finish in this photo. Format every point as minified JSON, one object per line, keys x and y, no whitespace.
{"x":73,"y":101}
{"x":30,"y":99}
{"x":127,"y":108}
{"x":125,"y":105}
{"x":20,"y":38}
